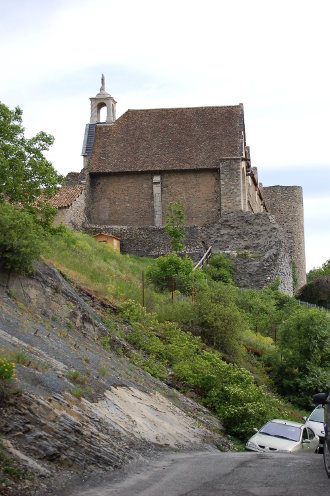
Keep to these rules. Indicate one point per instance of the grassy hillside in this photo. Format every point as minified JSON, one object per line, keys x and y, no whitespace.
{"x":243,"y":354}
{"x":220,"y":344}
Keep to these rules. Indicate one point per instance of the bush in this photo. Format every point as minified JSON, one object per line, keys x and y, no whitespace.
{"x":7,"y":369}
{"x":172,"y":269}
{"x":7,"y":374}
{"x":216,"y":318}
{"x":21,"y":239}
{"x":220,"y":268}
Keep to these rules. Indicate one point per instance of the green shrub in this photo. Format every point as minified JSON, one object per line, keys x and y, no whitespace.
{"x":78,"y":392}
{"x":294,"y":276}
{"x":21,"y":239}
{"x":220,"y":268}
{"x":315,"y":273}
{"x":77,"y":377}
{"x":150,"y":364}
{"x":7,"y":369}
{"x":20,"y":356}
{"x":257,"y":343}
{"x":7,"y":375}
{"x":103,"y":370}
{"x":173,"y":270}
{"x":216,"y":318}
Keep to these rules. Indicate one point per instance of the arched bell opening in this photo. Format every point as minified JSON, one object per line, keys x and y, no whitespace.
{"x":102,"y":112}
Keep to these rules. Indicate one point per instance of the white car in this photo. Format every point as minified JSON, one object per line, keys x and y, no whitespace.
{"x":283,"y":436}
{"x":316,"y":421}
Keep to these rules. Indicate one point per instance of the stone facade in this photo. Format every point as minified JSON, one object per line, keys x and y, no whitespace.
{"x":231,"y":186}
{"x":128,"y":199}
{"x":199,"y":192}
{"x":119,"y":199}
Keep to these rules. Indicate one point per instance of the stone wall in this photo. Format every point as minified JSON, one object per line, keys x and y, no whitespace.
{"x":259,"y":247}
{"x":231,"y":186}
{"x":121,"y":199}
{"x":73,"y":216}
{"x":198,"y":190}
{"x":74,"y":178}
{"x":254,"y":202}
{"x":257,"y":244}
{"x":285,"y":203}
{"x":151,"y":241}
{"x":128,"y":198}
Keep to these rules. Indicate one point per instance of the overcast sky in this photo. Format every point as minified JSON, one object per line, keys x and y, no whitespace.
{"x":273,"y":56}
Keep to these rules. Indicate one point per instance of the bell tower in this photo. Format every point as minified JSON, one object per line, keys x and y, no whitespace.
{"x":103,"y":99}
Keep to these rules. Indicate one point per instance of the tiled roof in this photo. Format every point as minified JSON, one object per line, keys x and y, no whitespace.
{"x":66,"y":196}
{"x":167,"y":139}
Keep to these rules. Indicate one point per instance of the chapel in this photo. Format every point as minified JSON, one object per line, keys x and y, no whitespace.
{"x":134,"y":166}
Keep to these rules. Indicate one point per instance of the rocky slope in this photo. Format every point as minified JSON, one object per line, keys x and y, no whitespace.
{"x":80,"y":409}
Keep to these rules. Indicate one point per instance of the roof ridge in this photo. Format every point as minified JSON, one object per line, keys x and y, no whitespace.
{"x":184,"y":108}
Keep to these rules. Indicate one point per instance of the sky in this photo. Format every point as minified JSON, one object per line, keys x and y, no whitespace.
{"x":272,"y":56}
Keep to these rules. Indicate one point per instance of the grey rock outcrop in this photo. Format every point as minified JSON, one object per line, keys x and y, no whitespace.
{"x":82,"y":409}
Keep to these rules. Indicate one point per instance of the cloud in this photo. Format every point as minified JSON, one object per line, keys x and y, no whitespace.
{"x":272,"y":56}
{"x":317,"y":248}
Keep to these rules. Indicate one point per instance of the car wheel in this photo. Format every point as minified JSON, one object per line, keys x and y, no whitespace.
{"x":326,"y":457}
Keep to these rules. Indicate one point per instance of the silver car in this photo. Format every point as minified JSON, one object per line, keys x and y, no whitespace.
{"x":283,"y":436}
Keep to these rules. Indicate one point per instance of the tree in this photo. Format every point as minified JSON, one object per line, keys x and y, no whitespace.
{"x":21,"y":239}
{"x":319,"y":272}
{"x":316,"y":292}
{"x":175,"y":225}
{"x":305,"y":337}
{"x":27,"y":178}
{"x":302,"y":368}
{"x":173,"y":269}
{"x":217,"y":319}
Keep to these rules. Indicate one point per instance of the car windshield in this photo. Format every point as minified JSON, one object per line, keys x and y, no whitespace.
{"x":317,"y":415}
{"x":284,"y":431}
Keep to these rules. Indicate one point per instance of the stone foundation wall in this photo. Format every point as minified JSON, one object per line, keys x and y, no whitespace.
{"x":258,"y":245}
{"x":151,"y":241}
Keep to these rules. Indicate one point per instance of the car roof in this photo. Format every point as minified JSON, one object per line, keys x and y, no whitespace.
{"x":318,"y":407}
{"x":287,"y":422}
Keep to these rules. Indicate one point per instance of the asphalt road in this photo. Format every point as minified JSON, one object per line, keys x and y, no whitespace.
{"x":218,"y":474}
